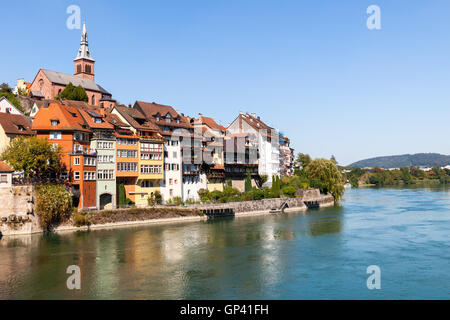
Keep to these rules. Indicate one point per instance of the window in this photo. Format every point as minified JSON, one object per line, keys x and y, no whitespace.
{"x":89,"y":161}
{"x":170,"y":182}
{"x":78,"y":68}
{"x":64,"y":175}
{"x":142,"y":196}
{"x":76,"y":161}
{"x":55,"y":135}
{"x":175,"y":181}
{"x":93,"y":98}
{"x":150,"y":169}
{"x":105,"y":174}
{"x":98,"y":120}
{"x":88,"y":69}
{"x":146,"y":184}
{"x":55,"y":123}
{"x":127,"y":166}
{"x":168,"y":118}
{"x":175,"y":154}
{"x":76,"y":175}
{"x":89,"y":175}
{"x":3,"y":178}
{"x":171,"y":192}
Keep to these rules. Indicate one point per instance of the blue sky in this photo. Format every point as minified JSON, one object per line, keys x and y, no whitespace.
{"x":309,"y":68}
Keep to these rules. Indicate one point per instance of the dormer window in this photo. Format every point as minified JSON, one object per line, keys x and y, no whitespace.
{"x":178,"y":120}
{"x":98,"y":120}
{"x":55,"y":123}
{"x":20,"y":127}
{"x":168,"y":118}
{"x":157,"y":118}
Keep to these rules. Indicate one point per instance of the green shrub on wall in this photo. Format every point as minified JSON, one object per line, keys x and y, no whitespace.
{"x":53,"y":205}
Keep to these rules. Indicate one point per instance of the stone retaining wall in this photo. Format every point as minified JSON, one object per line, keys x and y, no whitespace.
{"x":267,"y":204}
{"x":16,"y":211}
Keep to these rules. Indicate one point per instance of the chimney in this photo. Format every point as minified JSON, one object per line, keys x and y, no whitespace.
{"x":254,"y":115}
{"x":259,"y":118}
{"x":129,"y":105}
{"x":240,"y":113}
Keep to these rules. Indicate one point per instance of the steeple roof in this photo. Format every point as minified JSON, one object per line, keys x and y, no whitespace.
{"x":83,"y":52}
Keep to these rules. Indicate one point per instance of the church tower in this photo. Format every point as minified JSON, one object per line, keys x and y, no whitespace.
{"x":84,"y":64}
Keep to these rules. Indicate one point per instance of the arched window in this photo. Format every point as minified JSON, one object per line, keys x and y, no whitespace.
{"x":59,"y":92}
{"x":87,"y":69}
{"x":78,"y":68}
{"x":93,"y":100}
{"x":41,"y":84}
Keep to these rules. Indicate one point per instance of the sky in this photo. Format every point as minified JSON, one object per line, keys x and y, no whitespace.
{"x":311,"y":69}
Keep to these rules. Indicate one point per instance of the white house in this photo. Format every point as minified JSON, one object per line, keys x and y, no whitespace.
{"x":8,"y":107}
{"x":267,"y":142}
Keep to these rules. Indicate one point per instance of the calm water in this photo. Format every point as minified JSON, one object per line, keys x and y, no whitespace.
{"x":322,"y":254}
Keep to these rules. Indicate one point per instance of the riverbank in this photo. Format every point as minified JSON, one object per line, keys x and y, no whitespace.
{"x":119,"y":218}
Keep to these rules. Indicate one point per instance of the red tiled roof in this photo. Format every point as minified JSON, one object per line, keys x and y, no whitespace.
{"x":211,"y":123}
{"x":15,"y":124}
{"x":69,"y":118}
{"x":5,"y":168}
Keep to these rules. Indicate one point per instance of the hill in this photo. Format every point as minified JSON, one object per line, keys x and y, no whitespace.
{"x":405,"y":160}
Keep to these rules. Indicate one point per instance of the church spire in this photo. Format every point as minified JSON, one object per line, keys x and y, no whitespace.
{"x":83,"y":52}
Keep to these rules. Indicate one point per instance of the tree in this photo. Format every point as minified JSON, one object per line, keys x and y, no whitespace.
{"x":327,"y":172}
{"x":333,"y":159}
{"x":302,"y":160}
{"x":35,"y":156}
{"x":248,"y":183}
{"x":71,"y":92}
{"x":122,"y":195}
{"x":5,"y":88}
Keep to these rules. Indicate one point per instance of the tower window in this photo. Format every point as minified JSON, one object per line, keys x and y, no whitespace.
{"x":78,"y":68}
{"x":87,"y":69}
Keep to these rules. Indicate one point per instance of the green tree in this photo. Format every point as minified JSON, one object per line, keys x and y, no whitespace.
{"x":71,"y":92}
{"x":248,"y":183}
{"x":5,"y":88}
{"x":35,"y":156}
{"x":302,"y":160}
{"x":122,"y":195}
{"x":327,"y":172}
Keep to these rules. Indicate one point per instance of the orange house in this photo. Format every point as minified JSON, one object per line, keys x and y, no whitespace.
{"x":64,"y":126}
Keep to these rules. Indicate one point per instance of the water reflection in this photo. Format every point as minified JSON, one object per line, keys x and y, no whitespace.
{"x":316,"y":254}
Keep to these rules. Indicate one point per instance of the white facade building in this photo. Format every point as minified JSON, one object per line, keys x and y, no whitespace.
{"x":267,"y":140}
{"x":172,"y":182}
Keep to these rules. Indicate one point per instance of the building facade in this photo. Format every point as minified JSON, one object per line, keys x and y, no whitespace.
{"x":267,"y":141}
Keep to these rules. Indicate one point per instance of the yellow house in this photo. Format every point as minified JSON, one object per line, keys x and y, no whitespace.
{"x":151,"y":166}
{"x":150,"y":153}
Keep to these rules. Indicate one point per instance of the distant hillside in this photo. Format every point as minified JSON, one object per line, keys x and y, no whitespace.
{"x":405,"y":160}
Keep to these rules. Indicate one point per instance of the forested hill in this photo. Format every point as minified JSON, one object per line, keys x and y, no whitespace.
{"x":405,"y":160}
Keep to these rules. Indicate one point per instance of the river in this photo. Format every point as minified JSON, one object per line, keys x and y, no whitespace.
{"x":320,"y":254}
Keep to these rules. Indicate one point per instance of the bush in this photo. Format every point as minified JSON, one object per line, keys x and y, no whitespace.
{"x":177,"y":201}
{"x":80,"y":219}
{"x":289,"y":191}
{"x":53,"y":205}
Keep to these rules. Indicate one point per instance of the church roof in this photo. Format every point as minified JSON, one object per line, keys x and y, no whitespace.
{"x":64,"y":79}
